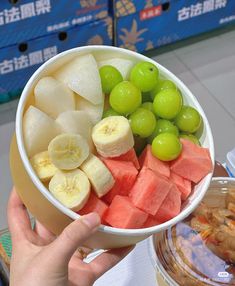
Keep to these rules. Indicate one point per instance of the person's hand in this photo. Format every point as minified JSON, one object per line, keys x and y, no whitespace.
{"x":39,"y":258}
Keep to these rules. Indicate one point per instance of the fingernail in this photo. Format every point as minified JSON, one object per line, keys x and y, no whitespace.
{"x":92,"y":220}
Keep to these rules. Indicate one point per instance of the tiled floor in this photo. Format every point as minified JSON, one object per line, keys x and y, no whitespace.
{"x":207,"y":67}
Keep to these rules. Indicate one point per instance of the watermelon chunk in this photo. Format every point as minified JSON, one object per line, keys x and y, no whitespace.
{"x":130,"y":156}
{"x":170,"y":206}
{"x":94,"y":205}
{"x":147,"y":159}
{"x":123,"y":214}
{"x":194,"y":162}
{"x":184,"y":185}
{"x":124,"y":174}
{"x":151,"y":221}
{"x":149,"y":191}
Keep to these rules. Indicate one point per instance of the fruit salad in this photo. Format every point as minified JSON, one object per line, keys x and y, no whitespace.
{"x":115,"y":137}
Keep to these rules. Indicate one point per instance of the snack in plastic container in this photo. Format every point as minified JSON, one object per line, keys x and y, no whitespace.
{"x":200,"y":250}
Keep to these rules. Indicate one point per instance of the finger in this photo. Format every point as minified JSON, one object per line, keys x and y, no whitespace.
{"x":82,"y":252}
{"x":73,"y":236}
{"x":43,"y":232}
{"x":108,"y":259}
{"x":18,"y":218}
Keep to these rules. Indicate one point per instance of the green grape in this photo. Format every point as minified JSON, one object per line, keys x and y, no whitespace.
{"x":110,"y":112}
{"x":162,"y":85}
{"x":142,"y":122}
{"x":163,"y":126}
{"x":125,"y":98}
{"x":147,"y":105}
{"x":146,"y":97}
{"x":188,"y":119}
{"x":191,"y":137}
{"x":167,"y":103}
{"x":144,"y":75}
{"x":166,"y":146}
{"x":110,"y":77}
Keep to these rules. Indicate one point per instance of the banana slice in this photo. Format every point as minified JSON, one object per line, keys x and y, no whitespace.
{"x":71,"y":188}
{"x":68,"y":151}
{"x":43,"y":166}
{"x":112,"y":136}
{"x":99,"y":175}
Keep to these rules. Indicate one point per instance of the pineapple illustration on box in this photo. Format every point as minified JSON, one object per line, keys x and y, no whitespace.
{"x":124,"y":7}
{"x":88,"y":3}
{"x":91,"y":4}
{"x":131,"y":38}
{"x":149,"y":4}
{"x":149,"y":45}
{"x":109,"y":23}
{"x":95,"y":40}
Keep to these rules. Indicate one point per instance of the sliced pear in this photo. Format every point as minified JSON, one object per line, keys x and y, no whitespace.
{"x":82,"y":76}
{"x":38,"y":129}
{"x":123,"y":65}
{"x":77,"y":122}
{"x":53,"y":97}
{"x":95,"y":112}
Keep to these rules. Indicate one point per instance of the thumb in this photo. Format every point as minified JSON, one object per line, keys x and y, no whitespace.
{"x":73,"y":236}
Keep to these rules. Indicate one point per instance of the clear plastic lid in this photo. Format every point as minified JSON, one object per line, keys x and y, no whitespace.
{"x":201,"y":249}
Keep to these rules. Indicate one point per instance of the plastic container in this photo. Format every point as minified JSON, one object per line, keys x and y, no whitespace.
{"x":182,"y":257}
{"x":40,"y":201}
{"x":230,"y":163}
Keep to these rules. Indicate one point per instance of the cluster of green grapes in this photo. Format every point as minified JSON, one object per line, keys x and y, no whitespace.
{"x":154,"y":107}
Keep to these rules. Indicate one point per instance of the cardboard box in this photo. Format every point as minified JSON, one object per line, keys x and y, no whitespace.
{"x":18,"y":62}
{"x":29,"y":19}
{"x":126,"y":7}
{"x":171,"y":22}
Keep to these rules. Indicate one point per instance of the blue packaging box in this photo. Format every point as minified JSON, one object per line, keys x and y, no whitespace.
{"x":18,"y":62}
{"x":161,"y":25}
{"x":29,"y":19}
{"x":126,"y":7}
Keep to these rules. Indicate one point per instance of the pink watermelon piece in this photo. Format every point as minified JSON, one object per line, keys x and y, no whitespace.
{"x":149,"y":191}
{"x":151,"y":221}
{"x":123,"y":214}
{"x":184,"y":185}
{"x":194,"y":162}
{"x":124,"y":174}
{"x":94,"y":205}
{"x":147,"y":159}
{"x":130,"y":156}
{"x":170,"y":207}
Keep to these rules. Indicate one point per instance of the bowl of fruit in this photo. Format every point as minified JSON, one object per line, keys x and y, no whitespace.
{"x":108,"y":130}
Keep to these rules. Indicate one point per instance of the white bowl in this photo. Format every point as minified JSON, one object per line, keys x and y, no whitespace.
{"x":106,"y":236}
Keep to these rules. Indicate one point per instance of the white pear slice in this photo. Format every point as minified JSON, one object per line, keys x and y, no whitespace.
{"x":82,"y":76}
{"x":123,"y":65}
{"x":77,"y":122}
{"x":53,"y":97}
{"x":95,"y":112}
{"x":38,"y":129}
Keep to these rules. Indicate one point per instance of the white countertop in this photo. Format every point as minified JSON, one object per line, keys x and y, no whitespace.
{"x":135,"y":270}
